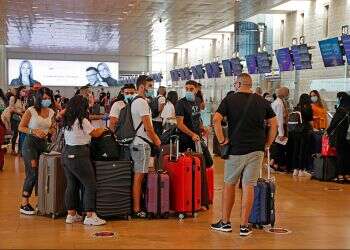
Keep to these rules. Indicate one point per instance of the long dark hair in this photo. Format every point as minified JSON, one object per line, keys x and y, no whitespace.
{"x":345,"y":102}
{"x":18,"y":93}
{"x":39,"y":97}
{"x":304,"y":102}
{"x":172,"y":97}
{"x":77,"y":108}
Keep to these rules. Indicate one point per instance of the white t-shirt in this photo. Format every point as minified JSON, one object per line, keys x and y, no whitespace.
{"x":77,"y":136}
{"x":161,"y":101}
{"x":140,"y":108}
{"x":116,"y":107}
{"x":168,"y":114}
{"x":37,"y":121}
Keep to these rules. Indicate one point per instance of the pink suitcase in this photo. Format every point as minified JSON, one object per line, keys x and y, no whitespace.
{"x":157,"y":194}
{"x":185,"y":182}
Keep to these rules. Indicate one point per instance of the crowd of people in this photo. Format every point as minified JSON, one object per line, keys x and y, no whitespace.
{"x":254,"y":120}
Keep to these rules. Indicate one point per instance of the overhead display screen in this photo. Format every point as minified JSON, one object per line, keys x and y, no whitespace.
{"x":263,"y":62}
{"x":226,"y":64}
{"x":175,"y":75}
{"x":188,"y":73}
{"x":182,"y":74}
{"x":200,"y":71}
{"x":301,"y":56}
{"x":237,"y":67}
{"x":252,"y":64}
{"x":331,"y":52}
{"x":62,"y":73}
{"x":284,"y":59}
{"x":216,"y":69}
{"x":209,"y":69}
{"x":346,"y":43}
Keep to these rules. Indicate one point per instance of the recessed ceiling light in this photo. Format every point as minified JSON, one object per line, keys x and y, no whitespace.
{"x":125,"y":12}
{"x":131,"y":4}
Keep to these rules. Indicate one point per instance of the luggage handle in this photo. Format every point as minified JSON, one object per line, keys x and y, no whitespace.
{"x":176,"y":138}
{"x":268,"y":165}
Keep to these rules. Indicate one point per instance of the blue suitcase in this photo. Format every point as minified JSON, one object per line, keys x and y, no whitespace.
{"x":263,"y":211}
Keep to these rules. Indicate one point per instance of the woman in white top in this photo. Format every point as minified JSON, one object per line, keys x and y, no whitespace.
{"x":168,"y":114}
{"x":76,"y":161}
{"x":38,"y":123}
{"x":17,"y":109}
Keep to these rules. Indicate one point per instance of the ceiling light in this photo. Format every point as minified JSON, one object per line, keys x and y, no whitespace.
{"x":131,"y":5}
{"x":125,"y":12}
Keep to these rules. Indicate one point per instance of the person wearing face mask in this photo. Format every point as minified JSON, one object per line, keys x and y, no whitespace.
{"x":38,"y":123}
{"x":279,"y":149}
{"x":188,"y":118}
{"x":128,"y":94}
{"x":319,"y":111}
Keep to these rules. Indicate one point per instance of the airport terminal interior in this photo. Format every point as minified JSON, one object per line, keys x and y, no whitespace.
{"x":189,"y":66}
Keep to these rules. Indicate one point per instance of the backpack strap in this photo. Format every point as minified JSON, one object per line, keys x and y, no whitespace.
{"x":139,"y":126}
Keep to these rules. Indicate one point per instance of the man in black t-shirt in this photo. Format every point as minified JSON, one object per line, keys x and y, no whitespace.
{"x":189,"y":118}
{"x":246,"y":114}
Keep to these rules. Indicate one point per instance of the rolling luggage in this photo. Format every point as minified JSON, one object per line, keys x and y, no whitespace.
{"x":113,"y":188}
{"x":51,"y":185}
{"x":185,"y":182}
{"x":324,"y":168}
{"x":263,"y":210}
{"x":157,"y":194}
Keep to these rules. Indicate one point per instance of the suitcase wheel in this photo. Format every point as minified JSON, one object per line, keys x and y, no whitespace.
{"x":165,"y":216}
{"x":54,"y":216}
{"x":151,"y":215}
{"x":195,"y":215}
{"x":181,"y":216}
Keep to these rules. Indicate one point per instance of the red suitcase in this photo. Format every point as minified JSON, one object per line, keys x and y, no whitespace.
{"x":210,"y":182}
{"x":185,"y":182}
{"x":157,"y":194}
{"x":327,"y":150}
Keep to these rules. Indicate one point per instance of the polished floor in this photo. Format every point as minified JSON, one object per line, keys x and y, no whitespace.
{"x":317,"y":218}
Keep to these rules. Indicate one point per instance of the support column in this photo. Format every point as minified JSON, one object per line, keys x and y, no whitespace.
{"x":297,"y":85}
{"x":3,"y":67}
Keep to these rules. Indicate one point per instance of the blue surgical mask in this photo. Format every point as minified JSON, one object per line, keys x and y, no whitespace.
{"x":149,"y":93}
{"x":45,"y":103}
{"x":128,"y":98}
{"x":190,"y":96}
{"x":337,"y":104}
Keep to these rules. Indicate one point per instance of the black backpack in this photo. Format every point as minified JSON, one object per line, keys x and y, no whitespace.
{"x":105,"y":148}
{"x":295,"y":121}
{"x":125,"y":131}
{"x":154,"y":105}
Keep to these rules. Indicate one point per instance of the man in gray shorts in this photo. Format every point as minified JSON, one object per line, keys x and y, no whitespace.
{"x":246,"y":115}
{"x":140,"y":148}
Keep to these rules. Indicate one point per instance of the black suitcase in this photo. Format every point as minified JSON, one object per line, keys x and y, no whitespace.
{"x":113,"y":188}
{"x":324,"y":168}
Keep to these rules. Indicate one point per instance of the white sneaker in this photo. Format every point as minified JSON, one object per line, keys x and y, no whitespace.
{"x":307,"y":174}
{"x":296,"y":172}
{"x":301,"y":173}
{"x":72,"y":219}
{"x":94,"y":221}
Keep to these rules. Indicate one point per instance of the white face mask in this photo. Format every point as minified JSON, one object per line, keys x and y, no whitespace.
{"x":314,"y":99}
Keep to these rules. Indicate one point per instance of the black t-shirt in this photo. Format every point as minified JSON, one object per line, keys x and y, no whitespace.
{"x":191,"y":113}
{"x":250,"y":136}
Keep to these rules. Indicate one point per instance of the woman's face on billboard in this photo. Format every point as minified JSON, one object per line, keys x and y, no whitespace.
{"x":25,"y":69}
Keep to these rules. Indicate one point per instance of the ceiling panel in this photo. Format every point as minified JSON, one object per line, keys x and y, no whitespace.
{"x":117,"y":27}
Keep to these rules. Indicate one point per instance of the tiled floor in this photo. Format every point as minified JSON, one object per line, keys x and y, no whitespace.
{"x":317,"y":219}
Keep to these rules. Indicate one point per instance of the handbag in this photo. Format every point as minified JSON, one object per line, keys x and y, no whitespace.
{"x":167,"y":134}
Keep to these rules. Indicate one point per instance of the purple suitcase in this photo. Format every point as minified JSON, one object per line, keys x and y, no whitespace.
{"x":157,"y":194}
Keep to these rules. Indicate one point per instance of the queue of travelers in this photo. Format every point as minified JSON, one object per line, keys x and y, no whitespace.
{"x":257,"y":123}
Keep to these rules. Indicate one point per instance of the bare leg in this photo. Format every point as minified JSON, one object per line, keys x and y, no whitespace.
{"x":247,"y":203}
{"x":136,"y":191}
{"x":228,"y":200}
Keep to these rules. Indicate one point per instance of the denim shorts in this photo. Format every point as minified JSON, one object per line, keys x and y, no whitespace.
{"x":248,"y":164}
{"x":140,"y":155}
